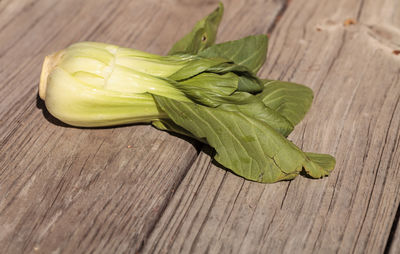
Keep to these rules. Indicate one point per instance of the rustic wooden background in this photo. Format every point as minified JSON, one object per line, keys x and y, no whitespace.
{"x":136,"y":189}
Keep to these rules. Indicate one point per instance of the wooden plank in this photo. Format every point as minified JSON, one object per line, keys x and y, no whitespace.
{"x":355,"y":116}
{"x":82,"y":190}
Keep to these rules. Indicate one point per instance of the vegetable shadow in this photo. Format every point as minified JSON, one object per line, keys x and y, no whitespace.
{"x":41,"y":105}
{"x":304,"y":173}
{"x":195,"y":143}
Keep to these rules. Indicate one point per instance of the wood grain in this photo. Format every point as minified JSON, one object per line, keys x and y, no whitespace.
{"x":136,"y":189}
{"x":355,"y":116}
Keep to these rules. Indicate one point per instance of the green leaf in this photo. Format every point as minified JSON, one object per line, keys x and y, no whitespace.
{"x":209,"y":88}
{"x":248,"y":82}
{"x":214,"y":90}
{"x":249,"y":147}
{"x":250,"y":51}
{"x":202,"y":36}
{"x":196,"y":66}
{"x":256,"y":109}
{"x":325,"y":161}
{"x":288,"y":99}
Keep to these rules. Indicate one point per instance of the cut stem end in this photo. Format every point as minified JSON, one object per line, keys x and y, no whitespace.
{"x":50,"y":62}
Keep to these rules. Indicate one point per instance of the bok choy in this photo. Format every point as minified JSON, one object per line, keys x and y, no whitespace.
{"x":203,"y":90}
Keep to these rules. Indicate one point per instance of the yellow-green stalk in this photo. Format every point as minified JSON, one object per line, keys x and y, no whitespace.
{"x":95,"y":84}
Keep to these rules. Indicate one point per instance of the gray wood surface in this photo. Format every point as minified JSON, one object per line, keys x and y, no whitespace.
{"x":137,"y":189}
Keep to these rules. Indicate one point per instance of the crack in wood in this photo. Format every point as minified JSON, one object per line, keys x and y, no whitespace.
{"x":393,"y":230}
{"x":278,"y":16}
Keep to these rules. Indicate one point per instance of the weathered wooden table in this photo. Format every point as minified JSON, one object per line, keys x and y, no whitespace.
{"x":137,"y":189}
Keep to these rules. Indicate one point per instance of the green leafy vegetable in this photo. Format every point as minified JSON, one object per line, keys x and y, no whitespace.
{"x":206,"y":91}
{"x":249,"y":147}
{"x":288,"y":99}
{"x":250,"y":51}
{"x":202,"y":36}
